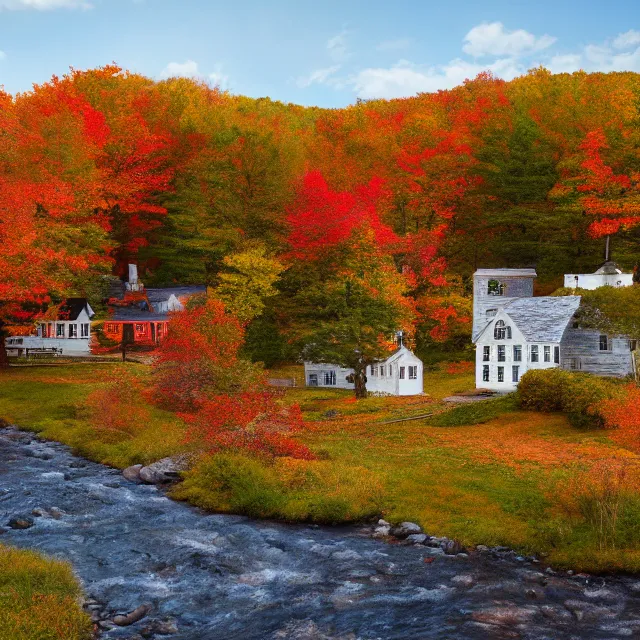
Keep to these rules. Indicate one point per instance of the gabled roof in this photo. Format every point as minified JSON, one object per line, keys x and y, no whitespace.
{"x":159,"y":295}
{"x":134,"y":314}
{"x":71,"y":308}
{"x":542,"y":319}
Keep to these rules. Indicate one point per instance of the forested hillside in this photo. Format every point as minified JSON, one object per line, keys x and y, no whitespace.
{"x":102,"y":167}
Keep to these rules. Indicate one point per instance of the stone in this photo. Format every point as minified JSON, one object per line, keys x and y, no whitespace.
{"x":381,"y":531}
{"x":21,"y":522}
{"x":55,"y":513}
{"x":38,"y":513}
{"x":159,"y":628}
{"x":452,"y":547}
{"x":132,"y":473}
{"x":383,"y":523}
{"x":165,"y":470}
{"x":405,"y":529}
{"x":507,"y":616}
{"x":463,"y":580}
{"x":482,"y":548}
{"x":416,"y":538}
{"x":133,"y":616}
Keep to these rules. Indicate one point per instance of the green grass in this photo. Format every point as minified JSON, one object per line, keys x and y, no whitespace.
{"x":483,"y":472}
{"x":39,"y":599}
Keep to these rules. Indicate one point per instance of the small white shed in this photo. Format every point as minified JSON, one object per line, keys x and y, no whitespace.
{"x":401,"y":374}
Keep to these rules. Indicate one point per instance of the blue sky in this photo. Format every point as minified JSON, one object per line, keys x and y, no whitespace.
{"x":323,"y":52}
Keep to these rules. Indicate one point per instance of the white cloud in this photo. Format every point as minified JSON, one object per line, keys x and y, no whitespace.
{"x":3,"y":55}
{"x":219,"y":78}
{"x":44,"y":5}
{"x":406,"y":79}
{"x":319,"y":76}
{"x":188,"y":69}
{"x":491,"y":39}
{"x":627,"y":40}
{"x":567,"y":63}
{"x":337,"y":47}
{"x":395,"y":45}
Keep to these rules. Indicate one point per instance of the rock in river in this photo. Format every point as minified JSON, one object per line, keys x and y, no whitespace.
{"x":165,"y":470}
{"x":20,"y":522}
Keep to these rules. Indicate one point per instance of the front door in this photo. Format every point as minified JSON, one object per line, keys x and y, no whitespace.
{"x":127,"y":333}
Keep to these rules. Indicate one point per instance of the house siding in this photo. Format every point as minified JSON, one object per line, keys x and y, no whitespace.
{"x":581,"y":351}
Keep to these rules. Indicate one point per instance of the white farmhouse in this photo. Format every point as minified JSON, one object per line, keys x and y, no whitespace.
{"x":516,"y":333}
{"x":399,"y":375}
{"x":68,"y":335}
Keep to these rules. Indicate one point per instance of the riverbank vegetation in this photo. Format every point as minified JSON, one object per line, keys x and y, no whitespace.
{"x":39,"y":599}
{"x":487,"y":472}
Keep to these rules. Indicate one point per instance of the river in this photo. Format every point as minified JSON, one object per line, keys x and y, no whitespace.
{"x":210,"y":577}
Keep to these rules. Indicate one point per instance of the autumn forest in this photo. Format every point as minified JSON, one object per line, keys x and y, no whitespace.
{"x":101,"y":168}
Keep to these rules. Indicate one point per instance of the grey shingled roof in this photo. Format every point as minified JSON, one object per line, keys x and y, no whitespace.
{"x":506,"y":272}
{"x":156,"y":295}
{"x":134,"y":314}
{"x":543,"y":319}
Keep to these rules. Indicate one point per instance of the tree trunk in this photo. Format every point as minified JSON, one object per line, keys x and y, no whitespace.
{"x":360,"y":382}
{"x":4,"y":359}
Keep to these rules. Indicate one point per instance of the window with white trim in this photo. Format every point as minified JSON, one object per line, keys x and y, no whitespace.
{"x":547,"y":353}
{"x":84,"y":330}
{"x":330,"y":378}
{"x":534,"y":353}
{"x":486,"y":354}
{"x":517,"y":353}
{"x":485,"y":373}
{"x":402,"y":372}
{"x":500,"y":374}
{"x":502,"y":353}
{"x":413,"y":373}
{"x":60,"y":330}
{"x":73,"y":330}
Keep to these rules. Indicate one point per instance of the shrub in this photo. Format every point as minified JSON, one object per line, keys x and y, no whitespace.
{"x":581,"y":396}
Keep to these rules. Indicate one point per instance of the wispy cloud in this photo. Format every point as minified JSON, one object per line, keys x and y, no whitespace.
{"x":188,"y":69}
{"x":44,"y":5}
{"x":492,"y":39}
{"x":319,"y":76}
{"x":219,"y":78}
{"x":337,"y":47}
{"x":627,"y":40}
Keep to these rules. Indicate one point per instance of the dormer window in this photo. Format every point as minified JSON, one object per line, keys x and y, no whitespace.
{"x":500,"y":331}
{"x":495,"y":288}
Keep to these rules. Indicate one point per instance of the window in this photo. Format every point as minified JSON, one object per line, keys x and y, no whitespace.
{"x":499,"y":331}
{"x":517,"y":353}
{"x":486,"y":354}
{"x":500,"y":374}
{"x":489,"y":313}
{"x":402,"y":370}
{"x":330,"y":377}
{"x":547,"y":353}
{"x":508,"y":333}
{"x":413,"y":373}
{"x":604,"y":343}
{"x":160,"y":329}
{"x":502,"y":353}
{"x":495,"y":288}
{"x":73,"y":330}
{"x":373,"y":370}
{"x":313,"y":379}
{"x":382,"y":371}
{"x":84,"y":330}
{"x":140,"y":328}
{"x":556,"y":355}
{"x":515,"y":374}
{"x":632,"y":345}
{"x":575,"y":364}
{"x":60,"y":330}
{"x":485,"y":373}
{"x":534,"y":353}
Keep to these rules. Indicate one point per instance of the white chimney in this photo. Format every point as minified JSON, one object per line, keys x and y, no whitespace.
{"x":133,"y":274}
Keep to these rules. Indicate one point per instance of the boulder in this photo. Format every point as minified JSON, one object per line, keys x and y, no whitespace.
{"x":20,"y":522}
{"x":452,"y":547}
{"x":381,"y":531}
{"x":165,"y":470}
{"x":416,"y":538}
{"x":55,"y":513}
{"x":159,"y":628}
{"x":405,"y":529}
{"x":133,"y":616}
{"x":132,"y":473}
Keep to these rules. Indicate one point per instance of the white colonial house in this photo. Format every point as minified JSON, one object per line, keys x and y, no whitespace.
{"x":401,"y":374}
{"x":516,"y":333}
{"x":68,"y":335}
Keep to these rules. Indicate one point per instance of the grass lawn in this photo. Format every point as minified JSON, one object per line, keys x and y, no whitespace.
{"x":482,"y":473}
{"x":39,"y":599}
